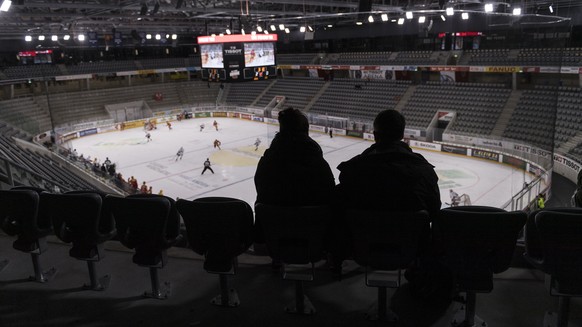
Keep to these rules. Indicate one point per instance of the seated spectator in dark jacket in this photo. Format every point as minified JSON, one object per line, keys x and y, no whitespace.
{"x":387,"y":176}
{"x":292,"y":171}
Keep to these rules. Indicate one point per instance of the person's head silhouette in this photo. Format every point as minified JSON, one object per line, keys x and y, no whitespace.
{"x":389,"y":126}
{"x":293,"y":121}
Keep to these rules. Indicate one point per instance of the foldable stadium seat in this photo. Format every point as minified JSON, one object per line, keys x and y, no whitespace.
{"x":150,"y":224}
{"x":478,"y":242}
{"x":384,"y":242}
{"x":553,"y":240}
{"x":81,"y":218}
{"x":220,"y":229}
{"x":21,"y":216}
{"x":295,"y":237}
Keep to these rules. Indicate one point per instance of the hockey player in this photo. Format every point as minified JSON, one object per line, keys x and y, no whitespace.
{"x":215,"y":124}
{"x":257,"y":143}
{"x":217,"y":144}
{"x":148,"y":137}
{"x":207,"y":166}
{"x":180,"y":154}
{"x":201,"y":127}
{"x":169,"y":125}
{"x":455,"y":198}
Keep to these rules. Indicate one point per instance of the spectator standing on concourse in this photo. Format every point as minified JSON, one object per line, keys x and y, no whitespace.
{"x":292,"y":171}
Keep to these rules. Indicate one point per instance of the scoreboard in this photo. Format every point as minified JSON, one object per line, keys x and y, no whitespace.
{"x":237,"y":58}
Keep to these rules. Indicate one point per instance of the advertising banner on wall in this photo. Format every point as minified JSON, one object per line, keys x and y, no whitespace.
{"x":483,"y":154}
{"x":453,"y":149}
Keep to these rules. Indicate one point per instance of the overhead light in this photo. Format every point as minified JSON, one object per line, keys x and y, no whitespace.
{"x":138,"y":19}
{"x":400,"y":21}
{"x":259,"y":29}
{"x":266,"y":32}
{"x":384,"y":17}
{"x":409,"y":15}
{"x":371,"y":19}
{"x":242,"y":31}
{"x":330,"y":25}
{"x":28,"y":38}
{"x":281,"y":27}
{"x":443,"y":18}
{"x":359,"y":23}
{"x":54,"y":38}
{"x":253,"y":33}
{"x":287,"y":30}
{"x":81,"y":37}
{"x":228,"y":31}
{"x":5,"y":5}
{"x":421,"y":19}
{"x":158,"y":37}
{"x":302,"y":29}
{"x":516,"y":11}
{"x":41,"y":37}
{"x":174,"y":36}
{"x":465,"y":15}
{"x":148,"y":36}
{"x":213,"y":35}
{"x":393,"y":20}
{"x":488,"y":7}
{"x":167,"y":36}
{"x":66,"y":37}
{"x":273,"y":28}
{"x":310,"y":28}
{"x":551,"y":9}
{"x":450,"y":11}
{"x":221,"y":34}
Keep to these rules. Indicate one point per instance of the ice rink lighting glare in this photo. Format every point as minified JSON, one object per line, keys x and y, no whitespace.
{"x":5,"y":5}
{"x":516,"y":11}
{"x":409,"y":15}
{"x":421,"y":19}
{"x":158,"y":37}
{"x":273,"y":28}
{"x":400,"y":21}
{"x":54,"y":38}
{"x":488,"y":7}
{"x":66,"y":37}
{"x":302,"y":29}
{"x":465,"y":16}
{"x":148,"y":36}
{"x":384,"y":17}
{"x":41,"y":37}
{"x":371,"y":19}
{"x":443,"y":18}
{"x":28,"y":38}
{"x":81,"y":37}
{"x":281,"y":27}
{"x":450,"y":11}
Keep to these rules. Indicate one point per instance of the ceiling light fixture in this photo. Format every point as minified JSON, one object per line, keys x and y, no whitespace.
{"x":148,"y":36}
{"x":551,"y":8}
{"x":409,"y":15}
{"x":28,"y":38}
{"x":516,"y":11}
{"x":259,"y":29}
{"x":400,"y":21}
{"x":488,"y":7}
{"x":81,"y":37}
{"x":310,"y":28}
{"x":228,"y":31}
{"x":421,"y":19}
{"x":266,"y":32}
{"x":242,"y":31}
{"x":281,"y":27}
{"x":66,"y":37}
{"x":5,"y":5}
{"x":359,"y":23}
{"x":465,"y":15}
{"x":287,"y":30}
{"x":54,"y":38}
{"x":174,"y":36}
{"x":273,"y":28}
{"x":384,"y":17}
{"x":158,"y":37}
{"x":443,"y":18}
{"x":371,"y":19}
{"x":302,"y":29}
{"x":41,"y":37}
{"x":450,"y":11}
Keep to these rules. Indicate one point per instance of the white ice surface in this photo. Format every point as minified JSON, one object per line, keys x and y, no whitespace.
{"x":486,"y":182}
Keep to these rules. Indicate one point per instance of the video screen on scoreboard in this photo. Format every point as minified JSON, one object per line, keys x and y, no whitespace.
{"x":211,"y":55}
{"x":259,"y":54}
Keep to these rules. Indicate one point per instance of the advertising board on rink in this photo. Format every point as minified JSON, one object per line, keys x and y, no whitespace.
{"x":425,"y":145}
{"x":483,"y":154}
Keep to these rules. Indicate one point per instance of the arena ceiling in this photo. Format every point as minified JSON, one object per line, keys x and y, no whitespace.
{"x":196,"y":17}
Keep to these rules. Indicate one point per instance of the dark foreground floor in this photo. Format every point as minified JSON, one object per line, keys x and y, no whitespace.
{"x":518,"y":299}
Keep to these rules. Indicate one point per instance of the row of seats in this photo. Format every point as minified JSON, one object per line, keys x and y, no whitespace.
{"x":477,"y":242}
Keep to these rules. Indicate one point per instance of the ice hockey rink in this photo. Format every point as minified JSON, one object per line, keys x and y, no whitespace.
{"x":234,"y":165}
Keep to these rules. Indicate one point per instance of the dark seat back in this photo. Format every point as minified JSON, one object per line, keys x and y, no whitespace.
{"x":19,"y":216}
{"x":218,"y":228}
{"x":294,"y":235}
{"x":387,"y":240}
{"x":79,"y":218}
{"x":560,"y":232}
{"x":149,"y":224}
{"x":479,"y":241}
